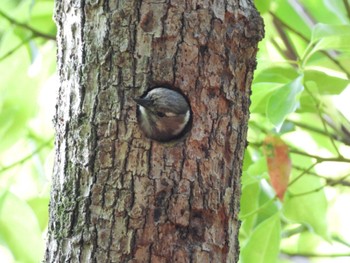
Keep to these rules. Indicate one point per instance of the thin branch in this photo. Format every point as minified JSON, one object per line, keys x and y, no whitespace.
{"x":290,"y":50}
{"x":329,"y":181}
{"x":341,"y":181}
{"x":291,"y":232}
{"x":309,"y":20}
{"x":319,"y":158}
{"x":317,"y":104}
{"x":29,"y":28}
{"x":302,"y":12}
{"x":347,"y":7}
{"x":242,"y":217}
{"x":308,"y":192}
{"x":303,"y":172}
{"x":307,"y":40}
{"x":340,"y":240}
{"x":275,"y":44}
{"x":26,"y":158}
{"x":9,"y":53}
{"x":336,"y":62}
{"x":317,"y":130}
{"x":315,"y":255}
{"x":288,"y":27}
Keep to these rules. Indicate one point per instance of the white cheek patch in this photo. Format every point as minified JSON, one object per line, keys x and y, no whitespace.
{"x":187,"y":117}
{"x":145,"y":123}
{"x":142,"y":110}
{"x":170,"y":114}
{"x":184,"y":123}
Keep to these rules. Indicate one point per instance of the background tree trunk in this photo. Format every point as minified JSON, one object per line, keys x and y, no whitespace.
{"x":116,"y":195}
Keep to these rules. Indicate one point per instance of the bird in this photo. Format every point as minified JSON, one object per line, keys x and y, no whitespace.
{"x":163,"y":114}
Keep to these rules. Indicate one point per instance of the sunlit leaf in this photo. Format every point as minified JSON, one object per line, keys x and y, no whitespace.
{"x":41,"y":17}
{"x":306,"y":204}
{"x":262,"y":5}
{"x":323,"y":31}
{"x":284,"y":101}
{"x":260,"y":95}
{"x":20,"y":229}
{"x":268,"y":206}
{"x":249,"y":203}
{"x":341,"y":43}
{"x":263,"y":244}
{"x":337,"y":8}
{"x":284,"y":10}
{"x":327,"y":37}
{"x":276,"y":74}
{"x":40,"y":206}
{"x":325,"y":83}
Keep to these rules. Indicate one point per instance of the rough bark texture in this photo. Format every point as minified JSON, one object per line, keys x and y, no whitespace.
{"x":116,"y":195}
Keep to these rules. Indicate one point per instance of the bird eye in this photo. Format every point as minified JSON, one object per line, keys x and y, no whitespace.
{"x":160,"y":114}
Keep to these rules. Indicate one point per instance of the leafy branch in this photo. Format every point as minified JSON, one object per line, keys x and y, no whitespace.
{"x":300,"y":229}
{"x":347,"y":7}
{"x":27,"y":27}
{"x":306,"y":39}
{"x":320,"y":131}
{"x":329,"y":181}
{"x":310,"y":254}
{"x":259,"y":209}
{"x":319,"y":158}
{"x":9,"y":53}
{"x":305,"y":171}
{"x":26,"y":158}
{"x":294,"y":231}
{"x":317,"y":104}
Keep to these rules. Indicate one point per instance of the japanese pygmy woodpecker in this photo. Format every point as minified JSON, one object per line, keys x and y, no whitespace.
{"x":163,"y":114}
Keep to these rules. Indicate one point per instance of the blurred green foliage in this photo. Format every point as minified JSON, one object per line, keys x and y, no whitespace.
{"x":300,"y":94}
{"x":27,"y":66}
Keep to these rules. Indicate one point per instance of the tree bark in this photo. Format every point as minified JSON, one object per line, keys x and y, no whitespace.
{"x":116,"y":195}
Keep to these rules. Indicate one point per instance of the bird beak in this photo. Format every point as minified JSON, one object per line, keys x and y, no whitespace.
{"x":143,"y":102}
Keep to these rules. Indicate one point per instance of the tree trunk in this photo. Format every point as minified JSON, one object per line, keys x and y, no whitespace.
{"x":118,"y":196}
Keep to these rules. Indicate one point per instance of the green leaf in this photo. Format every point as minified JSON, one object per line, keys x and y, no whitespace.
{"x":249,"y":203}
{"x":291,"y":17}
{"x":276,"y":74}
{"x":309,"y":209}
{"x":337,"y":8}
{"x":307,"y":101}
{"x":20,"y":230}
{"x":247,"y":161}
{"x":19,"y":90}
{"x":284,"y":101}
{"x":255,"y":172}
{"x":312,"y":121}
{"x":326,"y":84}
{"x":322,"y":31}
{"x":340,"y":43}
{"x":263,"y":244}
{"x":322,"y":63}
{"x":261,"y":94}
{"x":307,"y":242}
{"x":40,"y":206}
{"x":268,"y":206}
{"x":41,"y":17}
{"x":262,"y":5}
{"x":325,"y":37}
